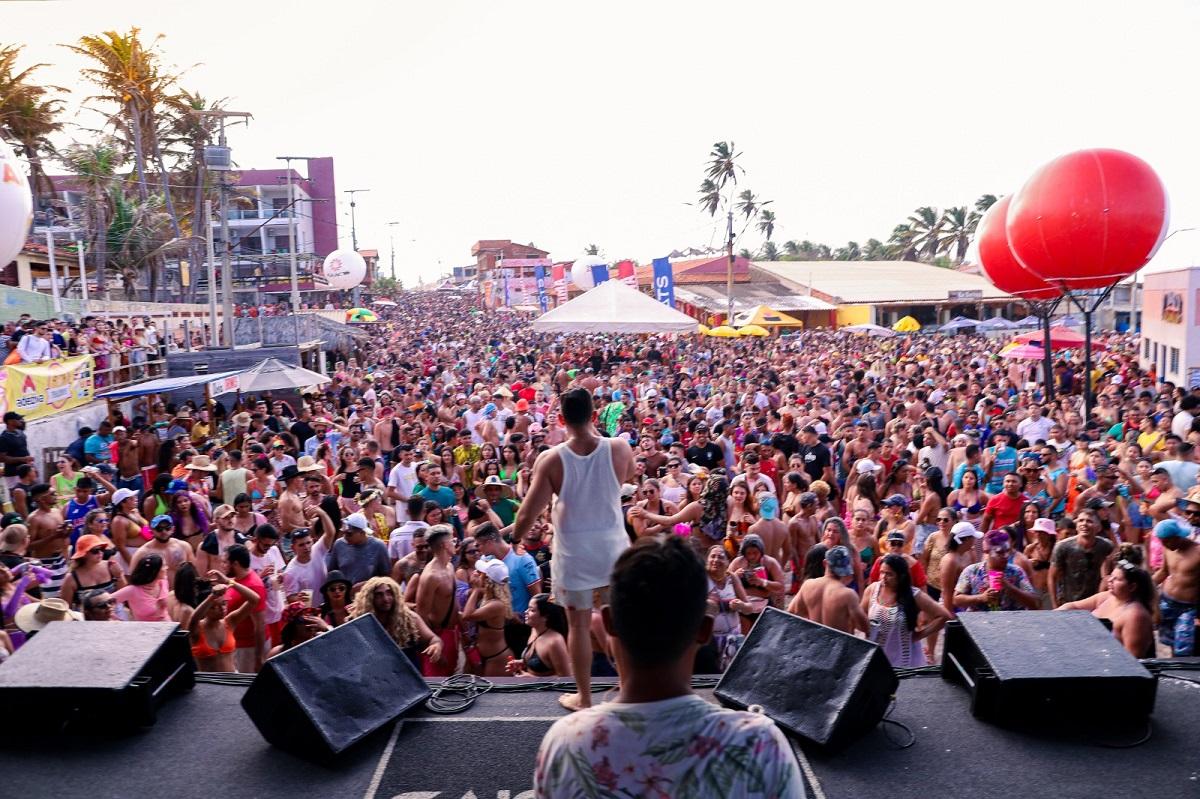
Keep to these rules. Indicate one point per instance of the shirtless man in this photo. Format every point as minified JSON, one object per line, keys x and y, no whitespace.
{"x":773,"y":532}
{"x":856,"y":449}
{"x":829,"y":600}
{"x":1179,"y":578}
{"x":1168,"y":497}
{"x":802,"y":534}
{"x":291,"y":506}
{"x":409,"y":567}
{"x":148,"y":445}
{"x":129,"y":462}
{"x":49,"y":537}
{"x":435,"y":600}
{"x":174,"y":552}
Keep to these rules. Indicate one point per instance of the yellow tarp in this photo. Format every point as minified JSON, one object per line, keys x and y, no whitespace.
{"x":765,"y":316}
{"x":907,"y":325}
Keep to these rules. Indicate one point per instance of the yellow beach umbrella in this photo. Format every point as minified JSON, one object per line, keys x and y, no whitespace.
{"x":724,"y":331}
{"x":754,"y":330}
{"x":907,"y":325}
{"x":703,"y":329}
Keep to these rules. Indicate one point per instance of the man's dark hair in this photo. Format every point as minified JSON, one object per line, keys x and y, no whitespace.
{"x":487,"y":532}
{"x":39,"y":489}
{"x":750,"y":457}
{"x":972,"y":450}
{"x":438,"y":533}
{"x":238,"y":554}
{"x":658,"y":595}
{"x":416,"y":507}
{"x":576,"y":406}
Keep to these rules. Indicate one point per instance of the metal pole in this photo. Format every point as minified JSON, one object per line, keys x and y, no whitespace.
{"x":1088,"y":399}
{"x":356,"y":292}
{"x":226,"y":263}
{"x":53,"y":270}
{"x":1048,"y":357}
{"x":82,"y":273}
{"x":292,"y":256}
{"x":729,"y":272}
{"x":212,"y":274}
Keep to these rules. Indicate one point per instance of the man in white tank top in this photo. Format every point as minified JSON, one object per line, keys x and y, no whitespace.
{"x":584,"y":473}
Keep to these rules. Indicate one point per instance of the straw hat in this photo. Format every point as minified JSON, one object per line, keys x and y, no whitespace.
{"x":201,"y":463}
{"x":494,"y":481}
{"x":307,"y":463}
{"x":241,"y":419}
{"x":184,"y":413}
{"x":37,"y":615}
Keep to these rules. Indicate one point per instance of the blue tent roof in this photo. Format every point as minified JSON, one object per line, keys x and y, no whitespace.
{"x":164,"y":384}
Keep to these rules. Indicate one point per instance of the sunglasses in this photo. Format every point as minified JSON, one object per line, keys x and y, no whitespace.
{"x":337,"y":588}
{"x":944,"y":519}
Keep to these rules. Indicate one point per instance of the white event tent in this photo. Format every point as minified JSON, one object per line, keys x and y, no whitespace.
{"x":613,"y":307}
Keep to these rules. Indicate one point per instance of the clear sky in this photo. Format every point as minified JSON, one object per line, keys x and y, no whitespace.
{"x":544,"y":122}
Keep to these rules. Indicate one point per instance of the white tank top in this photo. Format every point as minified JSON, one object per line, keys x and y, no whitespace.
{"x":589,"y":531}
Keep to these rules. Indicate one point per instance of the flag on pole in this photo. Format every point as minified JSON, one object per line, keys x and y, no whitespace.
{"x":599,"y":273}
{"x":539,"y":275}
{"x":627,"y":274}
{"x":558,"y":274}
{"x":664,"y":282}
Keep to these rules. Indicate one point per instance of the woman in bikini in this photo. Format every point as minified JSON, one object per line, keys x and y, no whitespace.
{"x":488,"y":605}
{"x":546,"y":655}
{"x":1043,"y":536}
{"x":129,"y":529}
{"x":191,"y":522}
{"x":1127,"y":607}
{"x":970,"y":500}
{"x":245,"y":518}
{"x":211,"y":627}
{"x":90,"y":571}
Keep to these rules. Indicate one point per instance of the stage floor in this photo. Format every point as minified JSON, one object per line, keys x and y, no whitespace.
{"x":205,"y":746}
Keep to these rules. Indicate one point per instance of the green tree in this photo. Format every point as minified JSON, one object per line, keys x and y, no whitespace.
{"x":960,"y":225}
{"x":928,"y":228}
{"x":592,"y":249}
{"x":851,"y":252}
{"x":769,"y":251}
{"x":29,"y":116}
{"x":821,"y":253}
{"x":901,"y":244}
{"x":984,"y":202}
{"x":766,"y":223}
{"x":874,"y":250}
{"x":95,"y":167}
{"x":138,"y":236}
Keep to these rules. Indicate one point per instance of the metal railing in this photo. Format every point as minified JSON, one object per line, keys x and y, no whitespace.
{"x":121,"y":371}
{"x":260,"y":213}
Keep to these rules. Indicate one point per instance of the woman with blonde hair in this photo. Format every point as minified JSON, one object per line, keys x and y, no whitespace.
{"x":380,"y":596}
{"x":489,"y":605}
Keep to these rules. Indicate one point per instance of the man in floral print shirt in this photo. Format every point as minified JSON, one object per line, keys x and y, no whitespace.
{"x":658,"y":739}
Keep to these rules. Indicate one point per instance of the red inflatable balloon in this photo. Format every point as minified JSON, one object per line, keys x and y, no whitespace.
{"x":1088,"y":219}
{"x":997,"y":260}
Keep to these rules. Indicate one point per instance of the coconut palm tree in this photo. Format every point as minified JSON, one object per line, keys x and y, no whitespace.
{"x":766,"y":223}
{"x":29,"y":113}
{"x":985,"y":202}
{"x":874,"y":250}
{"x":902,"y":243}
{"x":791,"y":249}
{"x":95,"y":168}
{"x":591,"y":249}
{"x":132,"y":79}
{"x":185,"y":135}
{"x":821,"y":252}
{"x":769,"y":251}
{"x":138,"y":236}
{"x":960,"y":227}
{"x":928,"y":227}
{"x":851,"y":252}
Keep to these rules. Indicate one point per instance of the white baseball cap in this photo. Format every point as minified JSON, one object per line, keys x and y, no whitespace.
{"x":867,"y":466}
{"x":495,"y":569}
{"x":964,"y":530}
{"x":357,"y":521}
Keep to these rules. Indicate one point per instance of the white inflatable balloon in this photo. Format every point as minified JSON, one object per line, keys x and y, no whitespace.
{"x":581,"y":271}
{"x":16,"y":205}
{"x":343,"y":269}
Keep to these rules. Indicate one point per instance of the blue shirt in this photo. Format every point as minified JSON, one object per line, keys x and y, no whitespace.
{"x":1005,"y":461}
{"x":442,"y":495}
{"x":522,"y":572}
{"x":97,"y":446}
{"x":332,"y":438}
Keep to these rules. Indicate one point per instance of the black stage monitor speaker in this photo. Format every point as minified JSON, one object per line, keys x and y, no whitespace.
{"x":1045,"y":665}
{"x":84,"y":671}
{"x":327,"y":694}
{"x":814,"y":681}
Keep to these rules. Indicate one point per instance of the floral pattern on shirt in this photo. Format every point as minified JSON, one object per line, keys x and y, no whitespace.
{"x":673,"y":749}
{"x":974,"y":581}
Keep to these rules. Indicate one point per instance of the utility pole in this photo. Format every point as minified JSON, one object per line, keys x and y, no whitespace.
{"x":226,"y":263}
{"x":729,"y":271}
{"x":292,"y":228}
{"x":212,"y":274}
{"x":392,"y":241}
{"x":356,"y":294}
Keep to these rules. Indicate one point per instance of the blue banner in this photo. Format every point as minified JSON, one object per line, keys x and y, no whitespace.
{"x":599,"y":273}
{"x":664,"y":282}
{"x":539,"y":274}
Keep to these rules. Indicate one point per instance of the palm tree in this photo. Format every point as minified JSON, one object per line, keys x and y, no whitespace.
{"x":710,"y":196}
{"x":185,"y":135}
{"x":131,"y":78}
{"x":874,"y":250}
{"x":985,"y":202}
{"x":851,"y":252}
{"x":791,"y":249}
{"x":137,"y":236}
{"x":29,"y":116}
{"x":722,"y":166}
{"x":821,"y":252}
{"x":95,"y":168}
{"x":769,"y":251}
{"x":927,"y":226}
{"x":902,"y":243}
{"x":960,"y":227}
{"x":766,"y":223}
{"x":591,"y":249}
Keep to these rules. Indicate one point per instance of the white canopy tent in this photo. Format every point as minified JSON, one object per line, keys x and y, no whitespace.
{"x":613,"y":307}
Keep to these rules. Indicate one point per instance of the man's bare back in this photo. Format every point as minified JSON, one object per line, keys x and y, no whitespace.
{"x":1183,"y":574}
{"x":435,"y":597}
{"x":802,"y":532}
{"x":774,"y":534}
{"x":826,"y":600}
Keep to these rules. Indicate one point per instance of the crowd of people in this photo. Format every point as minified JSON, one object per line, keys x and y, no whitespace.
{"x":876,"y":485}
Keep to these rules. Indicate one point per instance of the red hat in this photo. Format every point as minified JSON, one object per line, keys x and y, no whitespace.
{"x":522,"y":405}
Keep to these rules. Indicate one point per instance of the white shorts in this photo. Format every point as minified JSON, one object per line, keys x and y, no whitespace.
{"x":585,"y":599}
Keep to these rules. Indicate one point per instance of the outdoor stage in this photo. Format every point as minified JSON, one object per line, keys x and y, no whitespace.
{"x":205,"y":746}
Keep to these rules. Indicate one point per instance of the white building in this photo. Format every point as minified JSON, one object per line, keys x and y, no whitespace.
{"x":1171,"y":325}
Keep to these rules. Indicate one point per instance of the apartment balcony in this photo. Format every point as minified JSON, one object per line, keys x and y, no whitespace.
{"x":258,"y":214}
